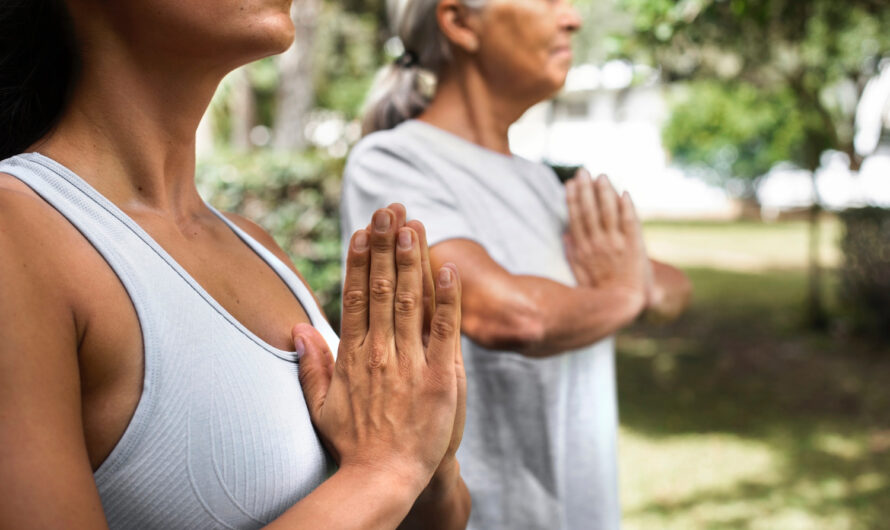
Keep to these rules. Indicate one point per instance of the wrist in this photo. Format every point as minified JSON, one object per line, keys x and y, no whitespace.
{"x":443,"y":482}
{"x":635,"y":302}
{"x":444,"y":504}
{"x":400,"y":486}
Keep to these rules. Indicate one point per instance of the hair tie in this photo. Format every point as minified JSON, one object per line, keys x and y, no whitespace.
{"x":407,"y":59}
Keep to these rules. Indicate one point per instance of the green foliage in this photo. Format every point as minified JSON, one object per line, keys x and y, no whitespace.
{"x":865,"y":275}
{"x":733,"y":129}
{"x":346,"y":57}
{"x":293,"y":196}
{"x":807,"y":61}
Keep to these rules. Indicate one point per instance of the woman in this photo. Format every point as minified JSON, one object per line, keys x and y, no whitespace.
{"x":148,"y":377}
{"x":554,"y":272}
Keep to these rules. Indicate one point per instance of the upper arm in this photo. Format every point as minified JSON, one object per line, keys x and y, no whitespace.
{"x":47,"y":480}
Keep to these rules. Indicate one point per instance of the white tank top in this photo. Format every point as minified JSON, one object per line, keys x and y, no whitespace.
{"x":221,"y":437}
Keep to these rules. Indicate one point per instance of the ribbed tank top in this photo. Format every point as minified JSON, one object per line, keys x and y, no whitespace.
{"x":221,"y":436}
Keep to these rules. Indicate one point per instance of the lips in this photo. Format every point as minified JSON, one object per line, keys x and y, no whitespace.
{"x":561,"y":51}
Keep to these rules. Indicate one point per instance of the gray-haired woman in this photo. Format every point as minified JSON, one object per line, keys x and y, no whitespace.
{"x":550,"y":272}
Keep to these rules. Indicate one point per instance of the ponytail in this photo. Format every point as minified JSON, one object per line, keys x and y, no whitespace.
{"x":38,"y":64}
{"x":403,"y":90}
{"x":399,"y":92}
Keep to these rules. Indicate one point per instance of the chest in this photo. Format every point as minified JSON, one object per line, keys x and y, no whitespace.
{"x":519,"y":220}
{"x":219,"y":430}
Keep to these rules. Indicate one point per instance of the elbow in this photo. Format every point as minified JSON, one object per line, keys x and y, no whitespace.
{"x":672,"y":299}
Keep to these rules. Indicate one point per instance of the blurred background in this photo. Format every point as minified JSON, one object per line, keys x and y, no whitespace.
{"x":754,"y":136}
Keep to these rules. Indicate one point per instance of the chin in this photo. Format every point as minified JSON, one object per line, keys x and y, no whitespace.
{"x":273,"y":36}
{"x":278,"y":33}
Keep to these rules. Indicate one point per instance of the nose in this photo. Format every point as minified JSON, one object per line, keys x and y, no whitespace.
{"x":569,"y":20}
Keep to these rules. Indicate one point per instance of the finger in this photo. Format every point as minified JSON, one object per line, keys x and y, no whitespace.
{"x":382,"y":280}
{"x":460,"y":414}
{"x":429,"y":286}
{"x":401,"y":214}
{"x":316,"y":367}
{"x":630,"y":221}
{"x":409,"y":299}
{"x":445,"y":328}
{"x":354,"y":324}
{"x":607,"y":200}
{"x":591,"y":212}
{"x":572,"y":255}
{"x":398,"y":209}
{"x":576,"y":214}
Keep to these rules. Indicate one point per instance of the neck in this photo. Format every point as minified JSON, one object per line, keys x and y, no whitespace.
{"x":467,"y":105}
{"x":129,"y":130}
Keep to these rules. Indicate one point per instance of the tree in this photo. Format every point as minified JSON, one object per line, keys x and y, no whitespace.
{"x":772,"y":79}
{"x":296,"y":96}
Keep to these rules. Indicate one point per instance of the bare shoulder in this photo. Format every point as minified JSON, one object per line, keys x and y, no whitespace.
{"x":10,"y":184}
{"x":37,"y":243}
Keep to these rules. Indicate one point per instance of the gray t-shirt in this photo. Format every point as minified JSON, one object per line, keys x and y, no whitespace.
{"x":539,"y":449}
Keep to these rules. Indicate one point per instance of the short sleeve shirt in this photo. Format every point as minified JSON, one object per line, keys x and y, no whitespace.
{"x":539,"y":449}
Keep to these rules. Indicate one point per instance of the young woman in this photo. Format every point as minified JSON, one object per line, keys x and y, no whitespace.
{"x":552,"y":272}
{"x":148,"y":377}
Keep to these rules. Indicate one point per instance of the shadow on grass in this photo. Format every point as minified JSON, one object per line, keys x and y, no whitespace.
{"x":740,"y":363}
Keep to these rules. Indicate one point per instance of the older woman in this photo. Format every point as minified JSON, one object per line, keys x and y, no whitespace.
{"x":148,"y":377}
{"x":550,"y":273}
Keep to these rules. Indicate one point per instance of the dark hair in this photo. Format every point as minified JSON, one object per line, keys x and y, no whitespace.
{"x":38,"y":65}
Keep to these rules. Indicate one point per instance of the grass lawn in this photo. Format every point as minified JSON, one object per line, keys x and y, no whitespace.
{"x":735,"y":416}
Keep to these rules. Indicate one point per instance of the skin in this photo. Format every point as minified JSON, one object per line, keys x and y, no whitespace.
{"x":71,"y":360}
{"x":508,"y":56}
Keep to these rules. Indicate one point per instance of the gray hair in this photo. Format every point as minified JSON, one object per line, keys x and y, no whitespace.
{"x":402,"y":90}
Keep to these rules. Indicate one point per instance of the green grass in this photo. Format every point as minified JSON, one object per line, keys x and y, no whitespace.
{"x":746,"y":246}
{"x":736,"y":416}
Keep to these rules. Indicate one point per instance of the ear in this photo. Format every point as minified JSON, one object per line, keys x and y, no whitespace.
{"x":460,"y":25}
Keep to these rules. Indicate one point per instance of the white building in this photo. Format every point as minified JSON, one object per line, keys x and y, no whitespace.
{"x":603,"y":122}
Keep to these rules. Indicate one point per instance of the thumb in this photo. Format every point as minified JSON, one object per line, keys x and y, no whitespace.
{"x":316,"y":367}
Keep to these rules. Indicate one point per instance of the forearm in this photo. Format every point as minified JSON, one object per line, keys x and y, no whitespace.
{"x":540,"y":317}
{"x":443,"y":505}
{"x":575,"y":317}
{"x":352,"y":499}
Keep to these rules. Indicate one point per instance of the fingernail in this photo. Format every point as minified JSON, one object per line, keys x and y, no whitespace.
{"x":299,"y":346}
{"x":361,"y":241}
{"x":444,"y":277}
{"x":381,"y":221}
{"x":405,"y":239}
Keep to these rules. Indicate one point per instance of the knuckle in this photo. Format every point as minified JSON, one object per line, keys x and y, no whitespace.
{"x":406,"y":260}
{"x":381,"y":243}
{"x":377,"y":356}
{"x":382,"y":288}
{"x":407,"y":302}
{"x":354,"y":301}
{"x":442,"y":327}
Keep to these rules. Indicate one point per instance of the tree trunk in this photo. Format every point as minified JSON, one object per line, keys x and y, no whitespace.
{"x":243,"y":110}
{"x":295,"y":94}
{"x":817,"y":316}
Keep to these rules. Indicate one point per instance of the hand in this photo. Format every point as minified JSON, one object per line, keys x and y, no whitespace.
{"x":604,"y":243}
{"x":390,"y":402}
{"x":448,"y":465}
